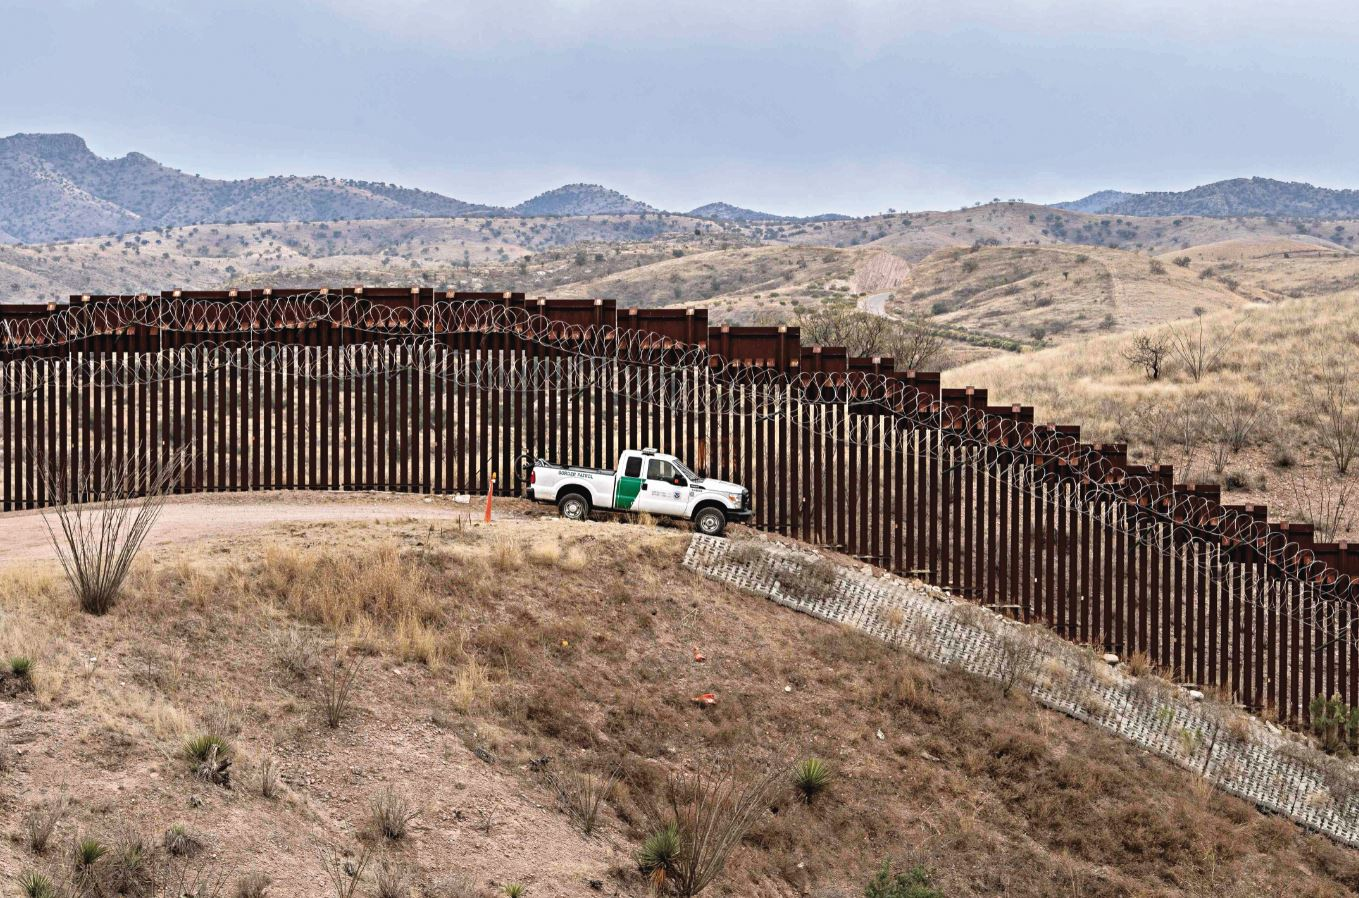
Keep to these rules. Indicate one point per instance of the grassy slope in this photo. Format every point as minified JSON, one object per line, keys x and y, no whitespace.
{"x":489,"y":648}
{"x":1276,"y":352}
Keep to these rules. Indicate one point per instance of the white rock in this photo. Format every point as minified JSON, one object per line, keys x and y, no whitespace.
{"x":787,"y":688}
{"x":880,"y":735}
{"x":1110,"y":658}
{"x":1196,"y":695}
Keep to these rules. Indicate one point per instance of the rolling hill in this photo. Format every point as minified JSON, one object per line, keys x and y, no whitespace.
{"x":1234,"y":197}
{"x":54,"y":188}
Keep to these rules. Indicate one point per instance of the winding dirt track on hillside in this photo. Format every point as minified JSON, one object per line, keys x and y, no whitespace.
{"x":24,"y":537}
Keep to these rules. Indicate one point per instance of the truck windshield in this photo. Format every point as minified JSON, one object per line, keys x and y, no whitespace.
{"x":679,"y":466}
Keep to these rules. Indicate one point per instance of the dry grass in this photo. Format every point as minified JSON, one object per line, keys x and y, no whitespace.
{"x":1273,"y":354}
{"x":594,"y":668}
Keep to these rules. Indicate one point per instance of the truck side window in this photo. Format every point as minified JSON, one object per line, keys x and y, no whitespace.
{"x":633,"y":467}
{"x":663,"y":470}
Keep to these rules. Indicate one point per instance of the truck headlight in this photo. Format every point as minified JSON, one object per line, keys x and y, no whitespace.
{"x":733,"y":498}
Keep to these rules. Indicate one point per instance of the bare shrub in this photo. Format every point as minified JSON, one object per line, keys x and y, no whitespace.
{"x":104,"y":507}
{"x":808,"y":581}
{"x":337,"y":691}
{"x":344,"y":873}
{"x":1148,"y":352}
{"x":253,"y":885}
{"x":392,"y":879}
{"x":1232,"y":421}
{"x":1199,"y":349}
{"x":454,"y":885}
{"x":41,"y":820}
{"x":269,"y":778}
{"x":913,"y":344}
{"x":392,"y":813}
{"x":709,"y":816}
{"x":582,"y":794}
{"x":1323,"y":502}
{"x":1019,"y":654}
{"x":1336,"y":421}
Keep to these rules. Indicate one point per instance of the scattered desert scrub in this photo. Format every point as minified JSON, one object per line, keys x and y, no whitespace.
{"x":376,"y":596}
{"x":506,"y":556}
{"x":41,"y":820}
{"x":180,"y":842}
{"x":392,"y":814}
{"x":344,"y":872}
{"x":337,"y":691}
{"x":391,"y":879}
{"x":253,"y":885}
{"x":808,"y":581}
{"x":470,"y":685}
{"x":582,"y":795}
{"x":546,"y":553}
{"x":268,"y":778}
{"x":914,"y":883}
{"x":104,"y":508}
{"x":709,"y":815}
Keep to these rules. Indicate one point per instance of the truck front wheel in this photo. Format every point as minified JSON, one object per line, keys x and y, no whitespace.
{"x":711,"y":521}
{"x":574,"y":507}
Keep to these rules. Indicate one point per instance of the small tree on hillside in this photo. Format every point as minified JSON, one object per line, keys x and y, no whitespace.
{"x":1148,"y":352}
{"x":1198,"y":349}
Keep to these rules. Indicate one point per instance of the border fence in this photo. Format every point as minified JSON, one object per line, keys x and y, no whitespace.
{"x":432,"y":391}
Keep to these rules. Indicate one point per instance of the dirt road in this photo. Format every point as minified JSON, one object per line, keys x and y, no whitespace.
{"x":876,"y":304}
{"x":23,"y":535}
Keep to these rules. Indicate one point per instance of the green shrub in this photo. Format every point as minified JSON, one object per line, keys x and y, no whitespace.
{"x":1335,"y":724}
{"x":34,"y":885}
{"x":180,"y":842}
{"x":660,"y":856}
{"x":514,"y":890}
{"x":22,"y":667}
{"x":811,"y":777}
{"x":210,"y":757}
{"x":88,"y":852}
{"x":914,"y":883}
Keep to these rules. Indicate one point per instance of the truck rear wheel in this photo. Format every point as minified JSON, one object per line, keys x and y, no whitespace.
{"x":710,"y":521}
{"x":574,"y":507}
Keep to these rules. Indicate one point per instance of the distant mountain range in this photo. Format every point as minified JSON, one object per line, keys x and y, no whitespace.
{"x":1243,"y":197}
{"x":53,"y":187}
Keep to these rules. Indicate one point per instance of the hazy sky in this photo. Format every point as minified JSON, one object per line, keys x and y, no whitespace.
{"x":795,"y":107}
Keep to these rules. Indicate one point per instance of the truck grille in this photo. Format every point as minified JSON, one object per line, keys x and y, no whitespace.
{"x":745,"y":500}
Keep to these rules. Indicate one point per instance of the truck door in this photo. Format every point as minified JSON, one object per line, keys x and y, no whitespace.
{"x":629,"y":483}
{"x":666,"y":490}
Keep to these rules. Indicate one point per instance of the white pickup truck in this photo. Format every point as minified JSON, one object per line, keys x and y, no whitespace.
{"x":647,"y":481}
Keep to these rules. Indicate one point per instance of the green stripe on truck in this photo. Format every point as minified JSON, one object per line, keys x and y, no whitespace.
{"x":625,"y":492}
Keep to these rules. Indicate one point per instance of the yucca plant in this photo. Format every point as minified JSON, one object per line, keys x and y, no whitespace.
{"x":87,"y":853}
{"x":514,"y":890}
{"x":811,"y":777}
{"x":660,"y":856}
{"x":34,"y":885}
{"x":210,"y":756}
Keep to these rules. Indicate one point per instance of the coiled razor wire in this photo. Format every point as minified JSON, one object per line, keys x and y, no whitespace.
{"x":624,"y":361}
